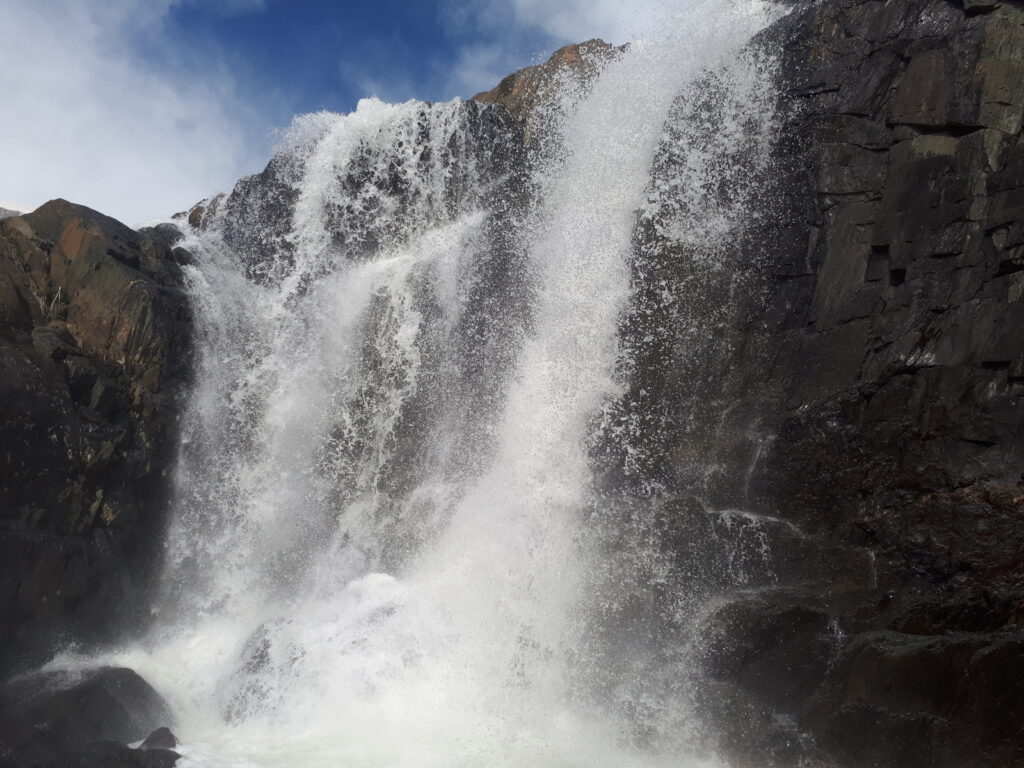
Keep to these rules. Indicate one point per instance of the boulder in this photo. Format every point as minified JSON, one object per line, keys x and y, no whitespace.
{"x":82,"y":719}
{"x":941,"y":701}
{"x":161,"y":738}
{"x":110,"y":754}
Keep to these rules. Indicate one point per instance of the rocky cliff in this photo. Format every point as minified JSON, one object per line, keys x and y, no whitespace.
{"x":860,"y":401}
{"x":878,"y":392}
{"x":94,"y":333}
{"x":857,"y":412}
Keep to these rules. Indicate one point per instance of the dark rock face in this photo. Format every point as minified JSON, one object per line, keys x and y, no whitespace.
{"x":870,"y":411}
{"x":255,"y":219}
{"x":877,"y":395}
{"x":83,"y":720}
{"x":161,"y":738}
{"x":94,"y":335}
{"x":111,"y":754}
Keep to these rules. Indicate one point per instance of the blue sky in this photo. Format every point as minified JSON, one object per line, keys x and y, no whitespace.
{"x":317,"y":54}
{"x":141,"y":107}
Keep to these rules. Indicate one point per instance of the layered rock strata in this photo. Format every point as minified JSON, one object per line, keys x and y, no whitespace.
{"x":879,"y":386}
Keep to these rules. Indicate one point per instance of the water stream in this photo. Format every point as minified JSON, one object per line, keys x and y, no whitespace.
{"x":381,"y":553}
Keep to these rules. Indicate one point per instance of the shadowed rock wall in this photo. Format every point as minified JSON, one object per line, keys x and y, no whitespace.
{"x":94,"y":336}
{"x":880,"y":394}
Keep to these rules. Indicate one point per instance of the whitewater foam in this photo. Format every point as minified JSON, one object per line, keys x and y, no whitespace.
{"x":380,"y":554}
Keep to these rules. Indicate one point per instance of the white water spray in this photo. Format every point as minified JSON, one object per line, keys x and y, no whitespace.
{"x":379,"y":556}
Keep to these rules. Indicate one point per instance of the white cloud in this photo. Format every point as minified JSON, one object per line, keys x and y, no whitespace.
{"x":368,"y":68}
{"x":87,"y":116}
{"x":499,"y":28}
{"x":573,"y":21}
{"x":479,"y":67}
{"x":89,"y":113}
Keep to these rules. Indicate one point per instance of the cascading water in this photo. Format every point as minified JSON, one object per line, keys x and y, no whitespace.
{"x":381,"y":554}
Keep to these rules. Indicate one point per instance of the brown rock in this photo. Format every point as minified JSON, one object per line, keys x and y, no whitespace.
{"x":94,"y":334}
{"x":527,"y":92}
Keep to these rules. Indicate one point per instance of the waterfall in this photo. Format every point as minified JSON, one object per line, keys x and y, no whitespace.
{"x":408,"y":335}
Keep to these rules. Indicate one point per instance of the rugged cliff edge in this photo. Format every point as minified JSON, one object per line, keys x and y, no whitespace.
{"x":864,"y":395}
{"x":528,"y":95}
{"x":94,"y":339}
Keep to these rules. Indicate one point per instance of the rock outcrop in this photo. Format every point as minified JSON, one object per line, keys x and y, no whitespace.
{"x":255,"y":219}
{"x":84,"y":720}
{"x":875,"y":400}
{"x":528,"y":94}
{"x":94,"y":338}
{"x":867,"y":401}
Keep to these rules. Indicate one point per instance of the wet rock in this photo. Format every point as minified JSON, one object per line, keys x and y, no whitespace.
{"x":777,"y":647}
{"x":81,"y":719}
{"x":94,"y":338}
{"x":856,"y":695}
{"x":943,"y":701}
{"x":884,"y":391}
{"x":161,"y":738}
{"x":168,"y":233}
{"x":528,"y":94}
{"x":756,"y":737}
{"x":255,"y":218}
{"x":111,"y":754}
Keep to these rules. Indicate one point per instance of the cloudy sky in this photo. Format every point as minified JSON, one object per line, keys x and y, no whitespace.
{"x":141,"y":107}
